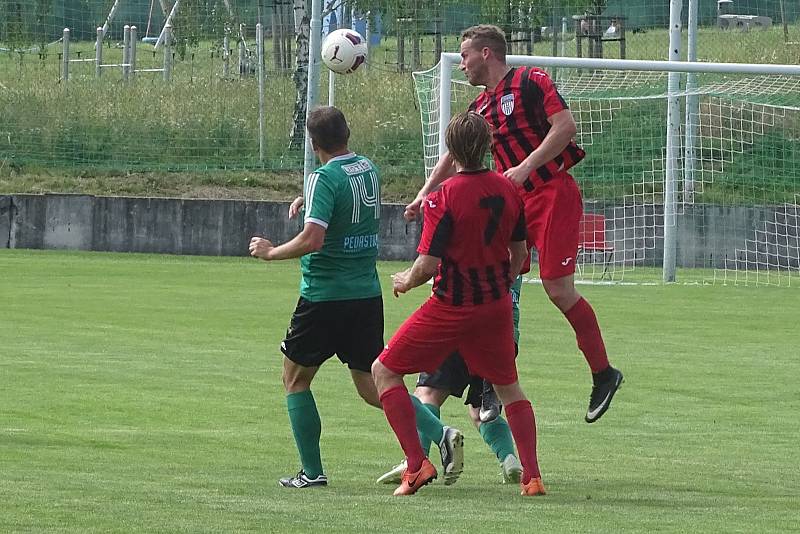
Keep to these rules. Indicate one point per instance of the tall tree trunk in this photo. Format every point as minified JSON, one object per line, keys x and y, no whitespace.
{"x":290,"y":30}
{"x":302,"y":33}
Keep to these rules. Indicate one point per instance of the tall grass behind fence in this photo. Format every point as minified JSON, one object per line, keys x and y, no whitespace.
{"x":204,"y":121}
{"x":198,"y":121}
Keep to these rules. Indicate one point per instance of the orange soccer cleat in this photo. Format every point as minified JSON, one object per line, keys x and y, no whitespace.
{"x":414,"y":481}
{"x":534,"y":487}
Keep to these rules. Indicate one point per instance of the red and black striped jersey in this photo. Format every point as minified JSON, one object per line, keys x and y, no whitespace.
{"x":518,"y":109}
{"x":469,"y":223}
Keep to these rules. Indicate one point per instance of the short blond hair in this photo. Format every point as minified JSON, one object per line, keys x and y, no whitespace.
{"x":489,"y":36}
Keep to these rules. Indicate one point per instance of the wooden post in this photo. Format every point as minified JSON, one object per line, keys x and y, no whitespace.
{"x":167,"y":53}
{"x":415,"y":45}
{"x":437,"y":40}
{"x":288,"y":34}
{"x":401,"y":47}
{"x":277,"y":42}
{"x":98,"y":53}
{"x":65,"y":55}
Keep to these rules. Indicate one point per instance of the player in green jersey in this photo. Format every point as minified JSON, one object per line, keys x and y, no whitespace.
{"x":340,"y":310}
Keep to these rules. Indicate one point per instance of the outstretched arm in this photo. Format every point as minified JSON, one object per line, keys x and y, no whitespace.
{"x":443,"y":170}
{"x":310,"y":239}
{"x":423,"y":270}
{"x":296,"y":206}
{"x":563,"y":129}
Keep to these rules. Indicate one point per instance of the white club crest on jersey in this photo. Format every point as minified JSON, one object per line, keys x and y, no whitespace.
{"x":507,"y":104}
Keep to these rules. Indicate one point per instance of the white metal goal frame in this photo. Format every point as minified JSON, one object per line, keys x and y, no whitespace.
{"x":673,"y":126}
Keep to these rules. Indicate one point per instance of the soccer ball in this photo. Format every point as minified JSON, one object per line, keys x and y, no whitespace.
{"x":343,"y":51}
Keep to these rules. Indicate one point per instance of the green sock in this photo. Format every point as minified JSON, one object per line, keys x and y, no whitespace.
{"x":428,"y":424}
{"x":425,"y":442}
{"x":306,"y":427}
{"x":516,"y":290}
{"x":497,"y":436}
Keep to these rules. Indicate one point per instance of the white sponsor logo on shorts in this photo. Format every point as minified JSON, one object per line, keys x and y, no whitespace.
{"x":566,"y":261}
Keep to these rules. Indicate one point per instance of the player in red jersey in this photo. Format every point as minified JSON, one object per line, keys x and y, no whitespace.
{"x":533,"y":147}
{"x":470,"y":226}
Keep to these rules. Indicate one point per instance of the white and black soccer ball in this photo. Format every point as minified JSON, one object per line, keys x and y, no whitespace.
{"x":343,"y":51}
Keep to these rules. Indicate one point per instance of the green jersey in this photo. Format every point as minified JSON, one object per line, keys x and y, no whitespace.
{"x":344,"y":197}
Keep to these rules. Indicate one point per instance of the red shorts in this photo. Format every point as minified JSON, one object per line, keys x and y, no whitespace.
{"x":553,"y":214}
{"x":483,"y":334}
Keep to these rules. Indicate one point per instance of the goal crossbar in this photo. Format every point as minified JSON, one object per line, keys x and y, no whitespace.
{"x":715,"y":195}
{"x":450,"y":59}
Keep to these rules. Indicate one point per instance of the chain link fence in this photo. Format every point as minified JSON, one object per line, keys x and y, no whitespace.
{"x":206,"y":116}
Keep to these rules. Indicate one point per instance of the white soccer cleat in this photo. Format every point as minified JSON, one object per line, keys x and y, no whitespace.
{"x":512,"y":469}
{"x":451,"y":449}
{"x":395,"y":476}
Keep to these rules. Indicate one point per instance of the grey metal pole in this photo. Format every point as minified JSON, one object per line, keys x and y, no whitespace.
{"x":241,"y":59}
{"x":98,"y":53}
{"x":314,"y":46}
{"x":226,"y":55}
{"x":132,"y":53}
{"x":673,"y":146}
{"x":692,"y":107}
{"x":445,"y":76}
{"x":368,"y":37}
{"x":261,"y":118}
{"x":563,"y":36}
{"x":331,"y":88}
{"x":126,"y":52}
{"x":167,"y":53}
{"x":65,"y":55}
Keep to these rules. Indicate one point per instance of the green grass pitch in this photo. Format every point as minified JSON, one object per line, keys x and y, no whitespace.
{"x":143,"y":393}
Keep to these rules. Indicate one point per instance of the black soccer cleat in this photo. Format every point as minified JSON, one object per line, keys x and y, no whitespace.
{"x":301,"y":480}
{"x":490,"y":404}
{"x":602,"y":393}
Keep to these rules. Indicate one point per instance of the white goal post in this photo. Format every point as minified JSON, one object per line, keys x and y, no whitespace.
{"x":714,"y":197}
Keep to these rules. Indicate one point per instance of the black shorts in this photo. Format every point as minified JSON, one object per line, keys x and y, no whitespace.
{"x":351,"y":329}
{"x":453,"y":376}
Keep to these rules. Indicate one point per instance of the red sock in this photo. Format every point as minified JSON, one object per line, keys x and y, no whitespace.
{"x":400,"y":414}
{"x":584,"y":322}
{"x":523,"y":428}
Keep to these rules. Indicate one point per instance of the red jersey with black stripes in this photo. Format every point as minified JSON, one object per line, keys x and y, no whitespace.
{"x":518,"y":109}
{"x":469,"y":223}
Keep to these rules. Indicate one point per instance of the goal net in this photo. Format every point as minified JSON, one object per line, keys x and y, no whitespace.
{"x":706,"y":189}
